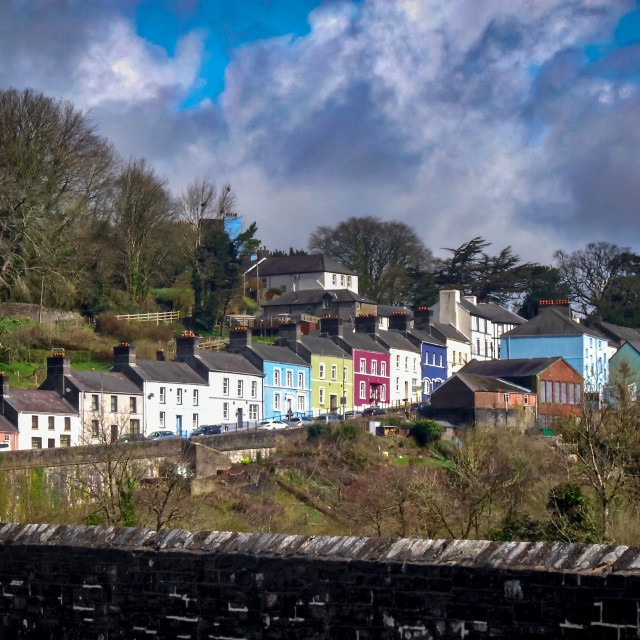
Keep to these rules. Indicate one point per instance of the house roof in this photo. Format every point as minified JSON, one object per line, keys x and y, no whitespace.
{"x":162,"y":371}
{"x":487,"y":383}
{"x":38,"y":401}
{"x":6,"y":426}
{"x":311,"y":263}
{"x":318,"y":345}
{"x":274,"y":353}
{"x":616,"y":332}
{"x":315,"y":296}
{"x":426,"y":337}
{"x":103,"y":382}
{"x":395,"y":340}
{"x":363,"y":342}
{"x":387,"y":310}
{"x":493,"y":312}
{"x":516,"y":368}
{"x":552,"y":322}
{"x":228,"y":362}
{"x":449,"y":332}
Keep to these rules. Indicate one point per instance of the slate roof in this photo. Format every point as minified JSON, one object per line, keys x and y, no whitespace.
{"x":487,"y":383}
{"x":318,"y":345}
{"x":426,"y":337}
{"x":315,"y":296}
{"x":616,"y":332}
{"x":273,"y":353}
{"x":516,"y":368}
{"x":103,"y":382}
{"x":493,"y":312}
{"x":552,"y":322}
{"x":162,"y":371}
{"x":314,"y":262}
{"x":228,"y":362}
{"x":450,"y":332}
{"x":38,"y":401}
{"x":395,"y":340}
{"x":363,"y":342}
{"x":6,"y":426}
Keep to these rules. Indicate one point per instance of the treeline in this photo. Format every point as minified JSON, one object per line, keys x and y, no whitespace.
{"x":82,"y":228}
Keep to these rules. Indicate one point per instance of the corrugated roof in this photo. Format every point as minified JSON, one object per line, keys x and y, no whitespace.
{"x":312,"y":263}
{"x":106,"y":382}
{"x":38,"y":401}
{"x":552,"y":322}
{"x":488,"y":383}
{"x":228,"y":362}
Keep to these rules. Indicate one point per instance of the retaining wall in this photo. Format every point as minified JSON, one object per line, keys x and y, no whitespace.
{"x":103,"y":583}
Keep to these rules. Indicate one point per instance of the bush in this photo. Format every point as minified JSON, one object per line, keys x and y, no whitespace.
{"x":425,"y":432}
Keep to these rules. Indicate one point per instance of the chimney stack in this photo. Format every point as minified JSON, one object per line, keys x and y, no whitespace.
{"x":367,"y":323}
{"x":123,"y":354}
{"x":288,"y":333}
{"x":563,"y":306}
{"x":239,"y":337}
{"x":160,"y":355}
{"x":422,"y":318}
{"x":187,"y":345}
{"x":331,"y":325}
{"x":398,"y":321}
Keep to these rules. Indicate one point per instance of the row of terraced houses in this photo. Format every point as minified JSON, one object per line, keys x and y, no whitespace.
{"x":472,"y":362}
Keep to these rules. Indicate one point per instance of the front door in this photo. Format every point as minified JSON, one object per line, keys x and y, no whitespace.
{"x":179,"y":426}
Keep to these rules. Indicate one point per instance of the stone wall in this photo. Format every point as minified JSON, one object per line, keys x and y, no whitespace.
{"x":96,"y":582}
{"x":35,"y":312}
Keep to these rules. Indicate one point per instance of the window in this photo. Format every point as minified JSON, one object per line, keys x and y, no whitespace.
{"x":406,"y":363}
{"x":51,"y":443}
{"x":383,"y":369}
{"x":374,"y":367}
{"x":383,"y":393}
{"x":348,"y":281}
{"x":578,"y":393}
{"x":276,"y":377}
{"x":95,"y":428}
{"x":114,"y":404}
{"x":65,"y":441}
{"x":397,"y":384}
{"x":563,"y":393}
{"x":334,"y":372}
{"x":36,"y":443}
{"x":7,"y":438}
{"x":240,"y":388}
{"x":225,"y":386}
{"x":52,"y":423}
{"x":334,"y":279}
{"x":163,"y":395}
{"x":283,"y":288}
{"x":478,"y":346}
{"x":161,"y":419}
{"x":363,"y":390}
{"x":253,"y":412}
{"x":321,"y":395}
{"x":34,"y":422}
{"x":178,"y":396}
{"x":556,"y":392}
{"x":67,"y":424}
{"x":289,"y":378}
{"x":321,"y":371}
{"x":134,"y":425}
{"x":397,"y":362}
{"x":300,"y":404}
{"x":363,"y":365}
{"x":195,"y":397}
{"x":505,"y":397}
{"x":543,"y":389}
{"x":194,"y":422}
{"x":549,"y":391}
{"x":342,"y":281}
{"x":276,"y":402}
{"x":254,"y":389}
{"x":133,"y":405}
{"x":95,"y":402}
{"x":225,"y":410}
{"x":344,"y":373}
{"x":526,"y":398}
{"x":300,"y":379}
{"x":454,"y":358}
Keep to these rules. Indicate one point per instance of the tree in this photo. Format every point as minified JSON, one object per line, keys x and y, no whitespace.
{"x":54,"y":173}
{"x":592,"y":274}
{"x":141,"y":210}
{"x":605,"y":445}
{"x":539,"y":283}
{"x":383,"y":254}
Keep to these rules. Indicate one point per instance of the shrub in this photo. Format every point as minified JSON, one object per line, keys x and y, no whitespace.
{"x":425,"y":432}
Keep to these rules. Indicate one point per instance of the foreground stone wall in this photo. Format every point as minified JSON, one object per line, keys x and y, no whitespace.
{"x":96,"y":582}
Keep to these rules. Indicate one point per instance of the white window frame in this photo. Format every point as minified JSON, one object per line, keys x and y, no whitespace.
{"x":321,"y":396}
{"x":301,"y":408}
{"x":240,"y":387}
{"x":162,"y":419}
{"x":300,"y":379}
{"x":334,"y":371}
{"x":276,"y":402}
{"x":225,"y":386}
{"x":289,"y":378}
{"x":178,"y":395}
{"x":277,"y":377}
{"x":363,"y":365}
{"x":163,"y":395}
{"x":254,"y":388}
{"x":225,"y":410}
{"x":321,"y":371}
{"x":363,"y":390}
{"x":195,"y":397}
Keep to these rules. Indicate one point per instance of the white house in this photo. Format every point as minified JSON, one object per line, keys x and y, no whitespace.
{"x":235,"y":385}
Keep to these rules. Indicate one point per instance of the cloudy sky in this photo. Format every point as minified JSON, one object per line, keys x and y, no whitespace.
{"x":515,"y":120}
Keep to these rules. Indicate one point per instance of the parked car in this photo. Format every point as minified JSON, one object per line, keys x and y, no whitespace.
{"x":268,"y":425}
{"x":419,"y":407}
{"x":350,"y":415}
{"x":373,"y":411}
{"x":206,"y":430}
{"x":160,"y":435}
{"x":299,"y":421}
{"x":329,"y":417}
{"x":131,"y":437}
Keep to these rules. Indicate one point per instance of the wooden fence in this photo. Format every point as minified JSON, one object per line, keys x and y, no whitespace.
{"x":157,"y":317}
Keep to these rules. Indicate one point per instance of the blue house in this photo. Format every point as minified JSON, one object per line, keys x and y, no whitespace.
{"x":433,"y":350}
{"x":553,"y":332}
{"x":624,"y":365}
{"x":287,"y":377}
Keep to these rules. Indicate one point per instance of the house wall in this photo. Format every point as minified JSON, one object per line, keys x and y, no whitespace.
{"x":224,"y":399}
{"x":287,"y":395}
{"x":373,"y":383}
{"x":105,"y":417}
{"x":495,"y":400}
{"x":625,"y":363}
{"x":342,"y":385}
{"x":560,"y":376}
{"x":404,"y":375}
{"x":315,"y":280}
{"x":27,"y":432}
{"x":458,"y":354}
{"x":434,"y":368}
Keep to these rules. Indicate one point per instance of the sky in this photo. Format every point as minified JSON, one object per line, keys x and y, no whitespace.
{"x":513,"y":120}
